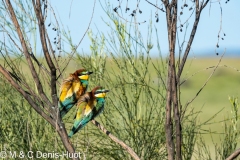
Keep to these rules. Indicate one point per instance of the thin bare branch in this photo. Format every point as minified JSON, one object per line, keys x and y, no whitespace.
{"x":207,"y":69}
{"x":75,"y":48}
{"x":234,"y":155}
{"x":204,"y":4}
{"x":115,"y":139}
{"x":194,"y":29}
{"x":193,"y":32}
{"x":220,"y":29}
{"x":42,"y":30}
{"x":53,"y":54}
{"x":187,"y":20}
{"x":11,"y":39}
{"x":182,"y":115}
{"x":155,"y":6}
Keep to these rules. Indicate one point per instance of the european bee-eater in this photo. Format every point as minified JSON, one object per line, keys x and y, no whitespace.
{"x":90,"y":105}
{"x":71,"y":89}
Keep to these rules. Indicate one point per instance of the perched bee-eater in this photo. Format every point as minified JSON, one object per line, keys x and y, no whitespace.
{"x":90,"y":105}
{"x":71,"y":89}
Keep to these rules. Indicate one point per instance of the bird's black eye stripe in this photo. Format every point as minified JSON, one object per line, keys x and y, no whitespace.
{"x":82,"y":73}
{"x":98,"y":92}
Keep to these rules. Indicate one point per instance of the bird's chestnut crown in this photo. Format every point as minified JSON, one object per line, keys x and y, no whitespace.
{"x":83,"y":74}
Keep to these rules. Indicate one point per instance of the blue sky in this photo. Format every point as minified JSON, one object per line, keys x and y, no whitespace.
{"x":76,"y":17}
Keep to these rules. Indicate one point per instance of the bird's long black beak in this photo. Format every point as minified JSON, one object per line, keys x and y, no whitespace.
{"x":105,"y":91}
{"x":90,"y":72}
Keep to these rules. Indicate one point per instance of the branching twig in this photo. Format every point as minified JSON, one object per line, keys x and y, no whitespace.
{"x":75,"y":48}
{"x":204,"y":4}
{"x":234,"y":155}
{"x":115,"y":139}
{"x":207,"y":69}
{"x":193,"y":32}
{"x":220,"y":29}
{"x":42,"y":31}
{"x":202,"y":86}
{"x":155,"y":6}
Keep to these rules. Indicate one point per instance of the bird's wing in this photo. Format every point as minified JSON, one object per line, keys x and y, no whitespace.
{"x":66,"y":88}
{"x":78,"y":89}
{"x":82,"y":105}
{"x":99,"y":106}
{"x":84,"y":111}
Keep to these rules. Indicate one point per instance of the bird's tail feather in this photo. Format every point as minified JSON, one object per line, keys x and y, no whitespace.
{"x":70,"y":134}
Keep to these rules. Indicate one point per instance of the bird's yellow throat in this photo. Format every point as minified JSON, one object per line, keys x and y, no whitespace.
{"x":84,"y":77}
{"x":100,"y":95}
